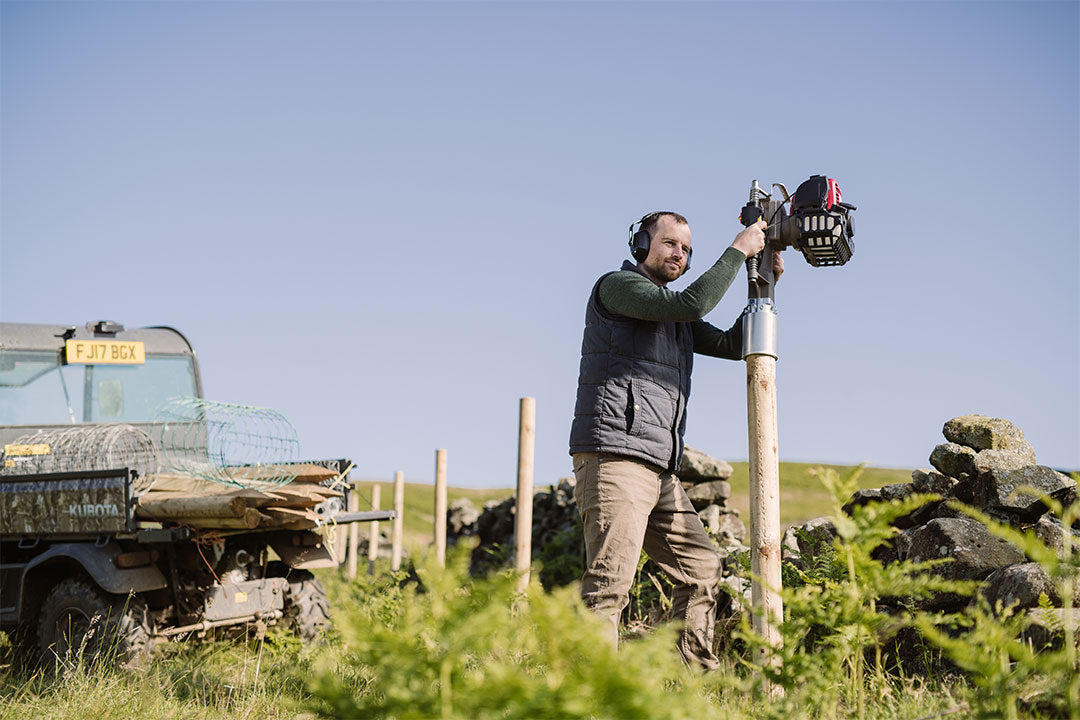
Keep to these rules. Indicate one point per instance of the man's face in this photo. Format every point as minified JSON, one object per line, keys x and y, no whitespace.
{"x":669,"y":251}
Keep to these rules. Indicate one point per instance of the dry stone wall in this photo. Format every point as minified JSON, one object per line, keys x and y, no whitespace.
{"x":984,"y":462}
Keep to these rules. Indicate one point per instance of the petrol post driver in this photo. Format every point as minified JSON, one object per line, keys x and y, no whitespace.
{"x":819,"y":226}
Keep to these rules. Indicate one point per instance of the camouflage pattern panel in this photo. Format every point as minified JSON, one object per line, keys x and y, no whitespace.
{"x":68,"y":503}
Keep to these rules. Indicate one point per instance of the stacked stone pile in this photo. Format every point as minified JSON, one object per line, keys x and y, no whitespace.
{"x":984,"y":463}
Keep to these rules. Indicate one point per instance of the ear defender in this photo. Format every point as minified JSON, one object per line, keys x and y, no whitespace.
{"x":640,"y":241}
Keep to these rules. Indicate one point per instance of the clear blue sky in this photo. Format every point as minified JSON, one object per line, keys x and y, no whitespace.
{"x":383,"y":220}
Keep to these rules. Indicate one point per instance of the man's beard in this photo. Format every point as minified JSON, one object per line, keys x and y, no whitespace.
{"x":667,"y":273}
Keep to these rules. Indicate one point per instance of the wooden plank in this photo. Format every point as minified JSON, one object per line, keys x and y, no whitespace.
{"x":263,"y":477}
{"x":302,"y":473}
{"x":251,"y":519}
{"x":290,"y":499}
{"x":189,"y":506}
{"x":158,"y":503}
{"x":284,"y":514}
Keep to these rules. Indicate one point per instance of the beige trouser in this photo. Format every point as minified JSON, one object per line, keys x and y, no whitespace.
{"x":626,"y":505}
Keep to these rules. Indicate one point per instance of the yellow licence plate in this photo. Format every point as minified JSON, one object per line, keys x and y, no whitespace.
{"x":113,"y":352}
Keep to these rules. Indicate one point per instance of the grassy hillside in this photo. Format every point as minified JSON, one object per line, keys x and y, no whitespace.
{"x":802,"y":496}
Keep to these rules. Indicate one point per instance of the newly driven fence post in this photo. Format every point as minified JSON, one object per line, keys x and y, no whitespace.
{"x":373,"y":538}
{"x":523,"y":514}
{"x":354,"y":532}
{"x":399,"y":521}
{"x":440,"y":507}
{"x":764,"y":497}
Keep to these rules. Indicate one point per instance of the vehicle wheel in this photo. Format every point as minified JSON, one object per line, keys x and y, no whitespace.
{"x":307,"y":611}
{"x":79,"y":621}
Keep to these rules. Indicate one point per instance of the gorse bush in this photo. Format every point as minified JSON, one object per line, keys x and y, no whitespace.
{"x":473,"y":648}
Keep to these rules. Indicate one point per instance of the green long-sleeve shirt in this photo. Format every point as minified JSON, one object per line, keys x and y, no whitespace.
{"x":634,"y":295}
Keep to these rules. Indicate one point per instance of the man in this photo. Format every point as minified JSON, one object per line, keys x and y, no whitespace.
{"x":627,"y":436}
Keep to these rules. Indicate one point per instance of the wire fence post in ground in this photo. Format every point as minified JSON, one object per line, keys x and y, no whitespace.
{"x":523,"y":514}
{"x":354,"y":532}
{"x":373,"y":538}
{"x":440,"y":507}
{"x":399,"y":521}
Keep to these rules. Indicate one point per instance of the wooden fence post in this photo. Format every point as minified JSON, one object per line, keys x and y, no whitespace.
{"x":399,"y":521}
{"x":354,"y":532}
{"x":440,"y":507}
{"x":523,"y":514}
{"x":764,"y":501}
{"x":373,"y":538}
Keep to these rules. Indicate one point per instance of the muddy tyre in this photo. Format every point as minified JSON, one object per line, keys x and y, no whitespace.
{"x":307,"y":611}
{"x":80,"y":622}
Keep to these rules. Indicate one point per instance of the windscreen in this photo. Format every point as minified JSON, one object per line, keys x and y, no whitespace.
{"x":36,"y":388}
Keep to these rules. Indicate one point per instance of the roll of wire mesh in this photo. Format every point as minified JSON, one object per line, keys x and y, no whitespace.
{"x":108,"y":446}
{"x":238,"y":445}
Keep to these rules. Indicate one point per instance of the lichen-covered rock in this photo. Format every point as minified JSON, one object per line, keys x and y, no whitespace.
{"x":952,"y":459}
{"x":862,"y":497}
{"x":461,"y":518}
{"x":789,"y":549}
{"x":902,"y":543}
{"x":1020,"y":584}
{"x":1000,"y":491}
{"x":974,"y":551}
{"x":731,"y":530}
{"x":1008,"y":459}
{"x":1051,"y":531}
{"x":931,"y":481}
{"x":711,"y":492}
{"x":926,"y":513}
{"x":896,"y":491}
{"x":710,"y":518}
{"x":814,"y":535}
{"x":1048,"y":625}
{"x":697,"y":466}
{"x":980,"y":432}
{"x":964,"y":489}
{"x":724,"y":525}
